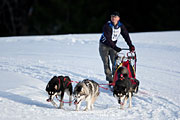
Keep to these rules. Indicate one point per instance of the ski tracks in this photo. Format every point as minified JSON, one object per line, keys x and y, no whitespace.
{"x":156,"y":106}
{"x":146,"y":104}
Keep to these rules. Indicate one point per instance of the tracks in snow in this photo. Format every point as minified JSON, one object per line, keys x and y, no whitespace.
{"x":145,"y":104}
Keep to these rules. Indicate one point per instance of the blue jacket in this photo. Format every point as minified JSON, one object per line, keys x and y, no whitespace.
{"x":111,"y":34}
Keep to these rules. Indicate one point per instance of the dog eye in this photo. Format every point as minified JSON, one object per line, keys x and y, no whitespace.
{"x":120,"y":94}
{"x":82,"y":94}
{"x":77,"y":96}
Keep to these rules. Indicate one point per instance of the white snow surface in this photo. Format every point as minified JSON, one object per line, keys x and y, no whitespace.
{"x":27,"y":64}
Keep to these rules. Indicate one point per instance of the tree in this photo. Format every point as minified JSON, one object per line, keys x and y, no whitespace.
{"x":13,"y":16}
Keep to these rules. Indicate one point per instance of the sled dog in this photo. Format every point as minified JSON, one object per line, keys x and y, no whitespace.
{"x":57,"y":86}
{"x":125,"y":87}
{"x":87,"y":90}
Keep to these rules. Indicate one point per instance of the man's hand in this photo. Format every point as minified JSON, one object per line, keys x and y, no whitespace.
{"x":132,"y":48}
{"x":117,"y":49}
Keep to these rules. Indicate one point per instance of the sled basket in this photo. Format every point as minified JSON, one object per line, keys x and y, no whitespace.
{"x":127,"y":60}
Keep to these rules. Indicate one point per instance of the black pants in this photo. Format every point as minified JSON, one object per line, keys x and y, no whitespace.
{"x":107,"y":52}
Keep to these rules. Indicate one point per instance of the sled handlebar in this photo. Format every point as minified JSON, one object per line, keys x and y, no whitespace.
{"x":130,"y":55}
{"x":125,"y":49}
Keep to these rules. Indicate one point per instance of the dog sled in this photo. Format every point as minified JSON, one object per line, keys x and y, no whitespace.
{"x":127,"y":60}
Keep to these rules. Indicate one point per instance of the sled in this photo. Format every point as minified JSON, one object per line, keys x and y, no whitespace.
{"x":127,"y":60}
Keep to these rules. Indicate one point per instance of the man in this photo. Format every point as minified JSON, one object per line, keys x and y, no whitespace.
{"x":107,"y":46}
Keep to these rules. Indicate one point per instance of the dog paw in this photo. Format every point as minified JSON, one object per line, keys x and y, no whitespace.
{"x":130,"y":107}
{"x":60,"y":107}
{"x":86,"y":109}
{"x":122,"y":108}
{"x":56,"y":106}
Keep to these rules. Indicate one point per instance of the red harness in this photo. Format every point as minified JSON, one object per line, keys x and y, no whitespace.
{"x":62,"y":100}
{"x":68,"y":81}
{"x":60,"y":85}
{"x":64,"y":80}
{"x":59,"y":82}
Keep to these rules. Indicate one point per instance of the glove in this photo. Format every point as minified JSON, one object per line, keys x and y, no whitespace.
{"x":132,"y":48}
{"x":117,"y":49}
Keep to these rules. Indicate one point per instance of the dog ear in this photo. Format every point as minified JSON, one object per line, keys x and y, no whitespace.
{"x":82,"y":89}
{"x":54,"y":77}
{"x":115,"y":87}
{"x":47,"y":87}
{"x":55,"y":87}
{"x":125,"y":89}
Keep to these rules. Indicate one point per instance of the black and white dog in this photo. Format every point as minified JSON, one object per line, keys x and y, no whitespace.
{"x":57,"y":86}
{"x":87,"y":90}
{"x":125,"y":87}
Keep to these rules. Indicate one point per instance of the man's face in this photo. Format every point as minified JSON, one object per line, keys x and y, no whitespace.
{"x":115,"y":19}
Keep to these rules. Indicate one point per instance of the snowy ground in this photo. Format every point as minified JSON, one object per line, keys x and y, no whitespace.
{"x":28,"y":63}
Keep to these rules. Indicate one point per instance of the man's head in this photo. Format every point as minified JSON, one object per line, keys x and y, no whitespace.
{"x":115,"y":17}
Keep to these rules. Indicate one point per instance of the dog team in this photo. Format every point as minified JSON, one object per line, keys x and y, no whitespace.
{"x":88,"y":90}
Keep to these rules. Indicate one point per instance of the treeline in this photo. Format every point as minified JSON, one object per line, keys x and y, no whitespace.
{"x":47,"y":17}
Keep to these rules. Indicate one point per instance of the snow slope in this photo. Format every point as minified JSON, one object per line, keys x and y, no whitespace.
{"x":28,"y":63}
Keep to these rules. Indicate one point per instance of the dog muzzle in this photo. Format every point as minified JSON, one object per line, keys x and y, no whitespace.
{"x":49,"y":99}
{"x":76,"y":102}
{"x":121,"y":103}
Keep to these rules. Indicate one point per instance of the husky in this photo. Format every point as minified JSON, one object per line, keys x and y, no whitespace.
{"x":87,"y":90}
{"x":57,"y":86}
{"x":125,"y":87}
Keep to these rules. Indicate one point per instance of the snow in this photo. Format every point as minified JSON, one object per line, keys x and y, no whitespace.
{"x":27,"y":63}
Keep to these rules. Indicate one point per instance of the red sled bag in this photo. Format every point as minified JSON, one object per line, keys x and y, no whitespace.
{"x":130,"y":69}
{"x":127,"y":62}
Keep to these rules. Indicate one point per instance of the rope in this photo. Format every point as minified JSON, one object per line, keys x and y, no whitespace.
{"x":104,"y":88}
{"x":62,"y":100}
{"x":106,"y":84}
{"x":78,"y":82}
